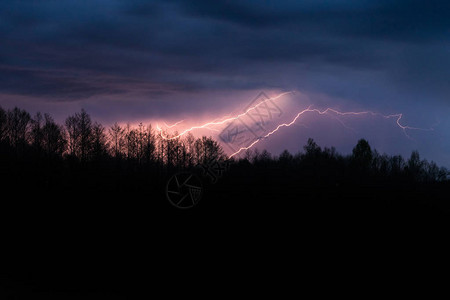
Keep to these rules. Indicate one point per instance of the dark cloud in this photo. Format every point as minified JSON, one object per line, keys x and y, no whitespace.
{"x":395,"y":19}
{"x":158,"y":38}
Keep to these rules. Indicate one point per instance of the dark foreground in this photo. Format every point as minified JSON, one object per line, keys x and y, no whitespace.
{"x":105,"y":241}
{"x":84,"y":213}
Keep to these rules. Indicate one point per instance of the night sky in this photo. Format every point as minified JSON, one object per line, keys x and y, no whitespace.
{"x":133,"y":61}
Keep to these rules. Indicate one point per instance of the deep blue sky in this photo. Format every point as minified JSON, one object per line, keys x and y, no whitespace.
{"x":139,"y":60}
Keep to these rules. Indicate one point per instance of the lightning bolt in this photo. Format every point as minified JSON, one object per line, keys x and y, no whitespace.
{"x":309,"y":109}
{"x":226,"y":119}
{"x":222,"y":120}
{"x":170,"y":126}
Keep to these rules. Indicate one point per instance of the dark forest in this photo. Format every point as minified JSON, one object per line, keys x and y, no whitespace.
{"x":98,"y":194}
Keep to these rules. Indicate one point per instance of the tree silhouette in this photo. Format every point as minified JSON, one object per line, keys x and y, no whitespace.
{"x":397,"y":165}
{"x":117,"y":140}
{"x":362,"y":155}
{"x":80,"y":135}
{"x":18,"y":122}
{"x":36,"y":134}
{"x":3,"y":124}
{"x":312,"y":150}
{"x":190,"y":149}
{"x":149,"y":145}
{"x":100,"y":143}
{"x":285,"y":158}
{"x":415,"y":167}
{"x":54,"y":137}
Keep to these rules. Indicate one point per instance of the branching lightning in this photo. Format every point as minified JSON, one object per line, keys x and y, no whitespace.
{"x":335,"y":113}
{"x":170,"y":126}
{"x":309,"y":109}
{"x":222,"y":120}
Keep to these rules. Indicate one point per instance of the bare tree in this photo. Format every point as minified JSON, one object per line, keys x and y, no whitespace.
{"x":415,"y":166}
{"x":198,"y":150}
{"x":80,"y":135}
{"x":3,"y":124}
{"x":190,"y":149}
{"x":117,"y":139}
{"x":36,"y":133}
{"x":86,"y":136}
{"x":396,"y":164}
{"x":159,"y":146}
{"x":312,"y":150}
{"x":211,"y":150}
{"x":150,"y":145}
{"x":17,"y":126}
{"x":131,"y":142}
{"x":362,"y":155}
{"x":100,"y":143}
{"x":53,"y":137}
{"x":73,"y":135}
{"x":140,"y":142}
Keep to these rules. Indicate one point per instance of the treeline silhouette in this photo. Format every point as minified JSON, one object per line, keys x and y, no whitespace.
{"x":84,"y":163}
{"x":86,"y":186}
{"x":83,"y":155}
{"x":81,"y":141}
{"x":38,"y":152}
